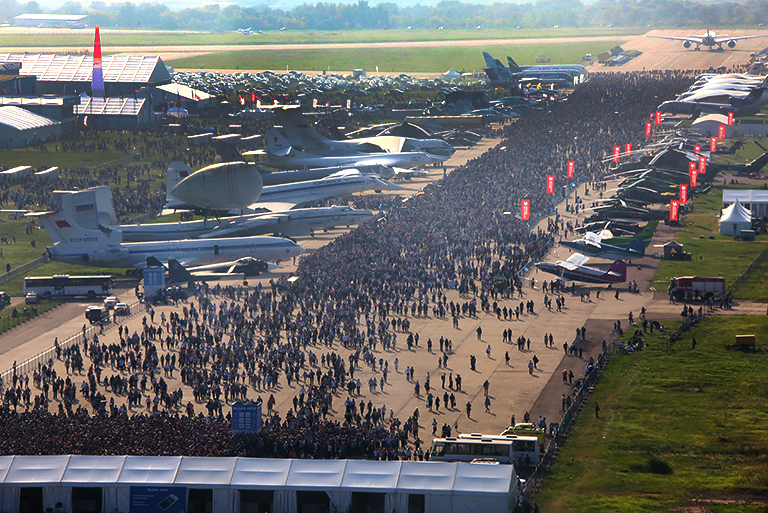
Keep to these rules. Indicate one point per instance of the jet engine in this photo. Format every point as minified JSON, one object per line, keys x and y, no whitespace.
{"x":686,"y":44}
{"x":731,"y":44}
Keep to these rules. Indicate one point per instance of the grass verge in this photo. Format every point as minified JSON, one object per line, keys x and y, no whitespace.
{"x":24,"y":314}
{"x":679,"y":430}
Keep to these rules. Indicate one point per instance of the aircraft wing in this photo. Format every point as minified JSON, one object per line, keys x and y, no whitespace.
{"x":592,"y":237}
{"x":719,"y":40}
{"x":577,"y":260}
{"x":690,"y":39}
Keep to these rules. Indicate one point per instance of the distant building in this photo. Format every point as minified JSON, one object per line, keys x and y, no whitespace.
{"x":113,"y":113}
{"x":51,"y":20}
{"x":19,"y":127}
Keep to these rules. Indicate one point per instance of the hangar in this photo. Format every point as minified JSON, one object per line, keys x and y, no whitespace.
{"x":19,"y":127}
{"x":113,"y":113}
{"x":92,"y":484}
{"x":71,"y":74}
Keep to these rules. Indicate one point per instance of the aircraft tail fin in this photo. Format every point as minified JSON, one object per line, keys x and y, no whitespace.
{"x":228,"y":152}
{"x":178,"y":273}
{"x":513,"y":66}
{"x":489,"y":61}
{"x":177,"y":171}
{"x":299,"y":132}
{"x":276,"y":143}
{"x":64,"y":230}
{"x":618,"y":272}
{"x":757,"y":165}
{"x":637,"y":245}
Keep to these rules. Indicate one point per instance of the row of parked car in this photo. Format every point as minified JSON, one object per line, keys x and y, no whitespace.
{"x":96,"y":314}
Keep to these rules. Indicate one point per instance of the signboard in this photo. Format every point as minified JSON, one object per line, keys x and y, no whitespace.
{"x":713,"y":144}
{"x":730,"y":119}
{"x":628,"y":149}
{"x":683,"y":193}
{"x":571,"y":168}
{"x":721,"y":132}
{"x":702,"y":165}
{"x":616,"y":153}
{"x":550,"y":184}
{"x":154,"y":280}
{"x":691,"y":167}
{"x":158,"y":499}
{"x":648,"y":128}
{"x":525,"y":210}
{"x":246,"y":418}
{"x":674,"y":207}
{"x":349,"y":104}
{"x":694,"y":175}
{"x":657,"y":118}
{"x":697,"y":149}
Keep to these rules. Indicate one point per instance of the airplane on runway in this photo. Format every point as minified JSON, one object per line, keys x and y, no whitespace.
{"x":573,"y":269}
{"x":300,"y":134}
{"x":288,"y":223}
{"x":591,"y":244}
{"x":708,"y":39}
{"x":246,"y":266}
{"x":104,"y":247}
{"x":281,"y":155}
{"x":183,"y":194}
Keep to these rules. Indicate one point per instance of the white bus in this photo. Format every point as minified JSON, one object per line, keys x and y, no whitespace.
{"x":523,"y":450}
{"x":65,"y":285}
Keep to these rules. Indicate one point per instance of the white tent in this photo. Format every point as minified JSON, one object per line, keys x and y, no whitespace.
{"x":451,"y":75}
{"x":440,"y":487}
{"x":735,"y":219}
{"x":178,"y":112}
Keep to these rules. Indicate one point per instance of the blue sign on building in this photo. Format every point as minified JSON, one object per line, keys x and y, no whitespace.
{"x":246,"y":418}
{"x":158,"y":499}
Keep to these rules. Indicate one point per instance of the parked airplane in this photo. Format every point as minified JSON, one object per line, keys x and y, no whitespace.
{"x":246,"y":266}
{"x":105,"y":248}
{"x":224,"y":186}
{"x":289,"y":223}
{"x":708,"y":39}
{"x":573,"y":70}
{"x":281,"y":155}
{"x":301,"y":135}
{"x":591,"y":244}
{"x":285,"y":196}
{"x":573,"y":269}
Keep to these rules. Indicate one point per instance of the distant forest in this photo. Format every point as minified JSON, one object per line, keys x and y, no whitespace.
{"x":449,"y":14}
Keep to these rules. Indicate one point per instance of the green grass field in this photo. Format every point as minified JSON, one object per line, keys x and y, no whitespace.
{"x":680,"y":430}
{"x":112,"y":39}
{"x":437,"y":59}
{"x":721,"y":256}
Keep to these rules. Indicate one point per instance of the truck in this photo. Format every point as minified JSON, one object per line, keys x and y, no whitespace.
{"x":696,"y":287}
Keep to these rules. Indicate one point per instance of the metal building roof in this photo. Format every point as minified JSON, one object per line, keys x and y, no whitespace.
{"x":78,"y":68}
{"x":22,"y":119}
{"x":185,"y":92}
{"x":110,"y":106}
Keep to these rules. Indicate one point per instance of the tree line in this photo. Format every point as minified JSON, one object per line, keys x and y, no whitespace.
{"x":449,"y":14}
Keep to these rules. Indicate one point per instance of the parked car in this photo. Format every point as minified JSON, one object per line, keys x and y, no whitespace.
{"x":31,"y":298}
{"x":110,"y":302}
{"x":5,"y":299}
{"x":95,"y":314}
{"x":121,"y":309}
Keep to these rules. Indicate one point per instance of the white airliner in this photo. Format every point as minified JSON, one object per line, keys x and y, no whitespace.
{"x":708,"y":39}
{"x":289,"y":223}
{"x":284,"y":196}
{"x":104,"y":248}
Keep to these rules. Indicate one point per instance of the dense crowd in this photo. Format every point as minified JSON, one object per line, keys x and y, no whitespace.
{"x":348,"y":308}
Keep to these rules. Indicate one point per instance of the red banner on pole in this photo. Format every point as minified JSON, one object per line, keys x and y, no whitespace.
{"x":730,"y":119}
{"x":674,"y":207}
{"x":683,"y":193}
{"x":616,"y":153}
{"x":648,"y":128}
{"x":571,"y":168}
{"x":657,"y":118}
{"x":550,"y":184}
{"x":628,"y":149}
{"x":697,"y":149}
{"x":721,"y":132}
{"x":694,"y":176}
{"x":702,"y":165}
{"x":525,"y":209}
{"x":713,"y":144}
{"x":691,"y":167}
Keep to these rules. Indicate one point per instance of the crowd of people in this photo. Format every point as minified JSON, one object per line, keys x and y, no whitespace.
{"x":345,"y":313}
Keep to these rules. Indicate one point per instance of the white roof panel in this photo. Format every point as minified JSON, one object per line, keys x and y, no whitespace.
{"x":381,"y":475}
{"x":93,"y":469}
{"x":150,"y":469}
{"x":5,"y":465}
{"x":110,"y":106}
{"x":482,"y":478}
{"x":36,"y":470}
{"x":430,"y":476}
{"x":316,"y":473}
{"x":205,"y":471}
{"x":261,"y":473}
{"x":22,"y":119}
{"x":78,"y":68}
{"x":745,"y":196}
